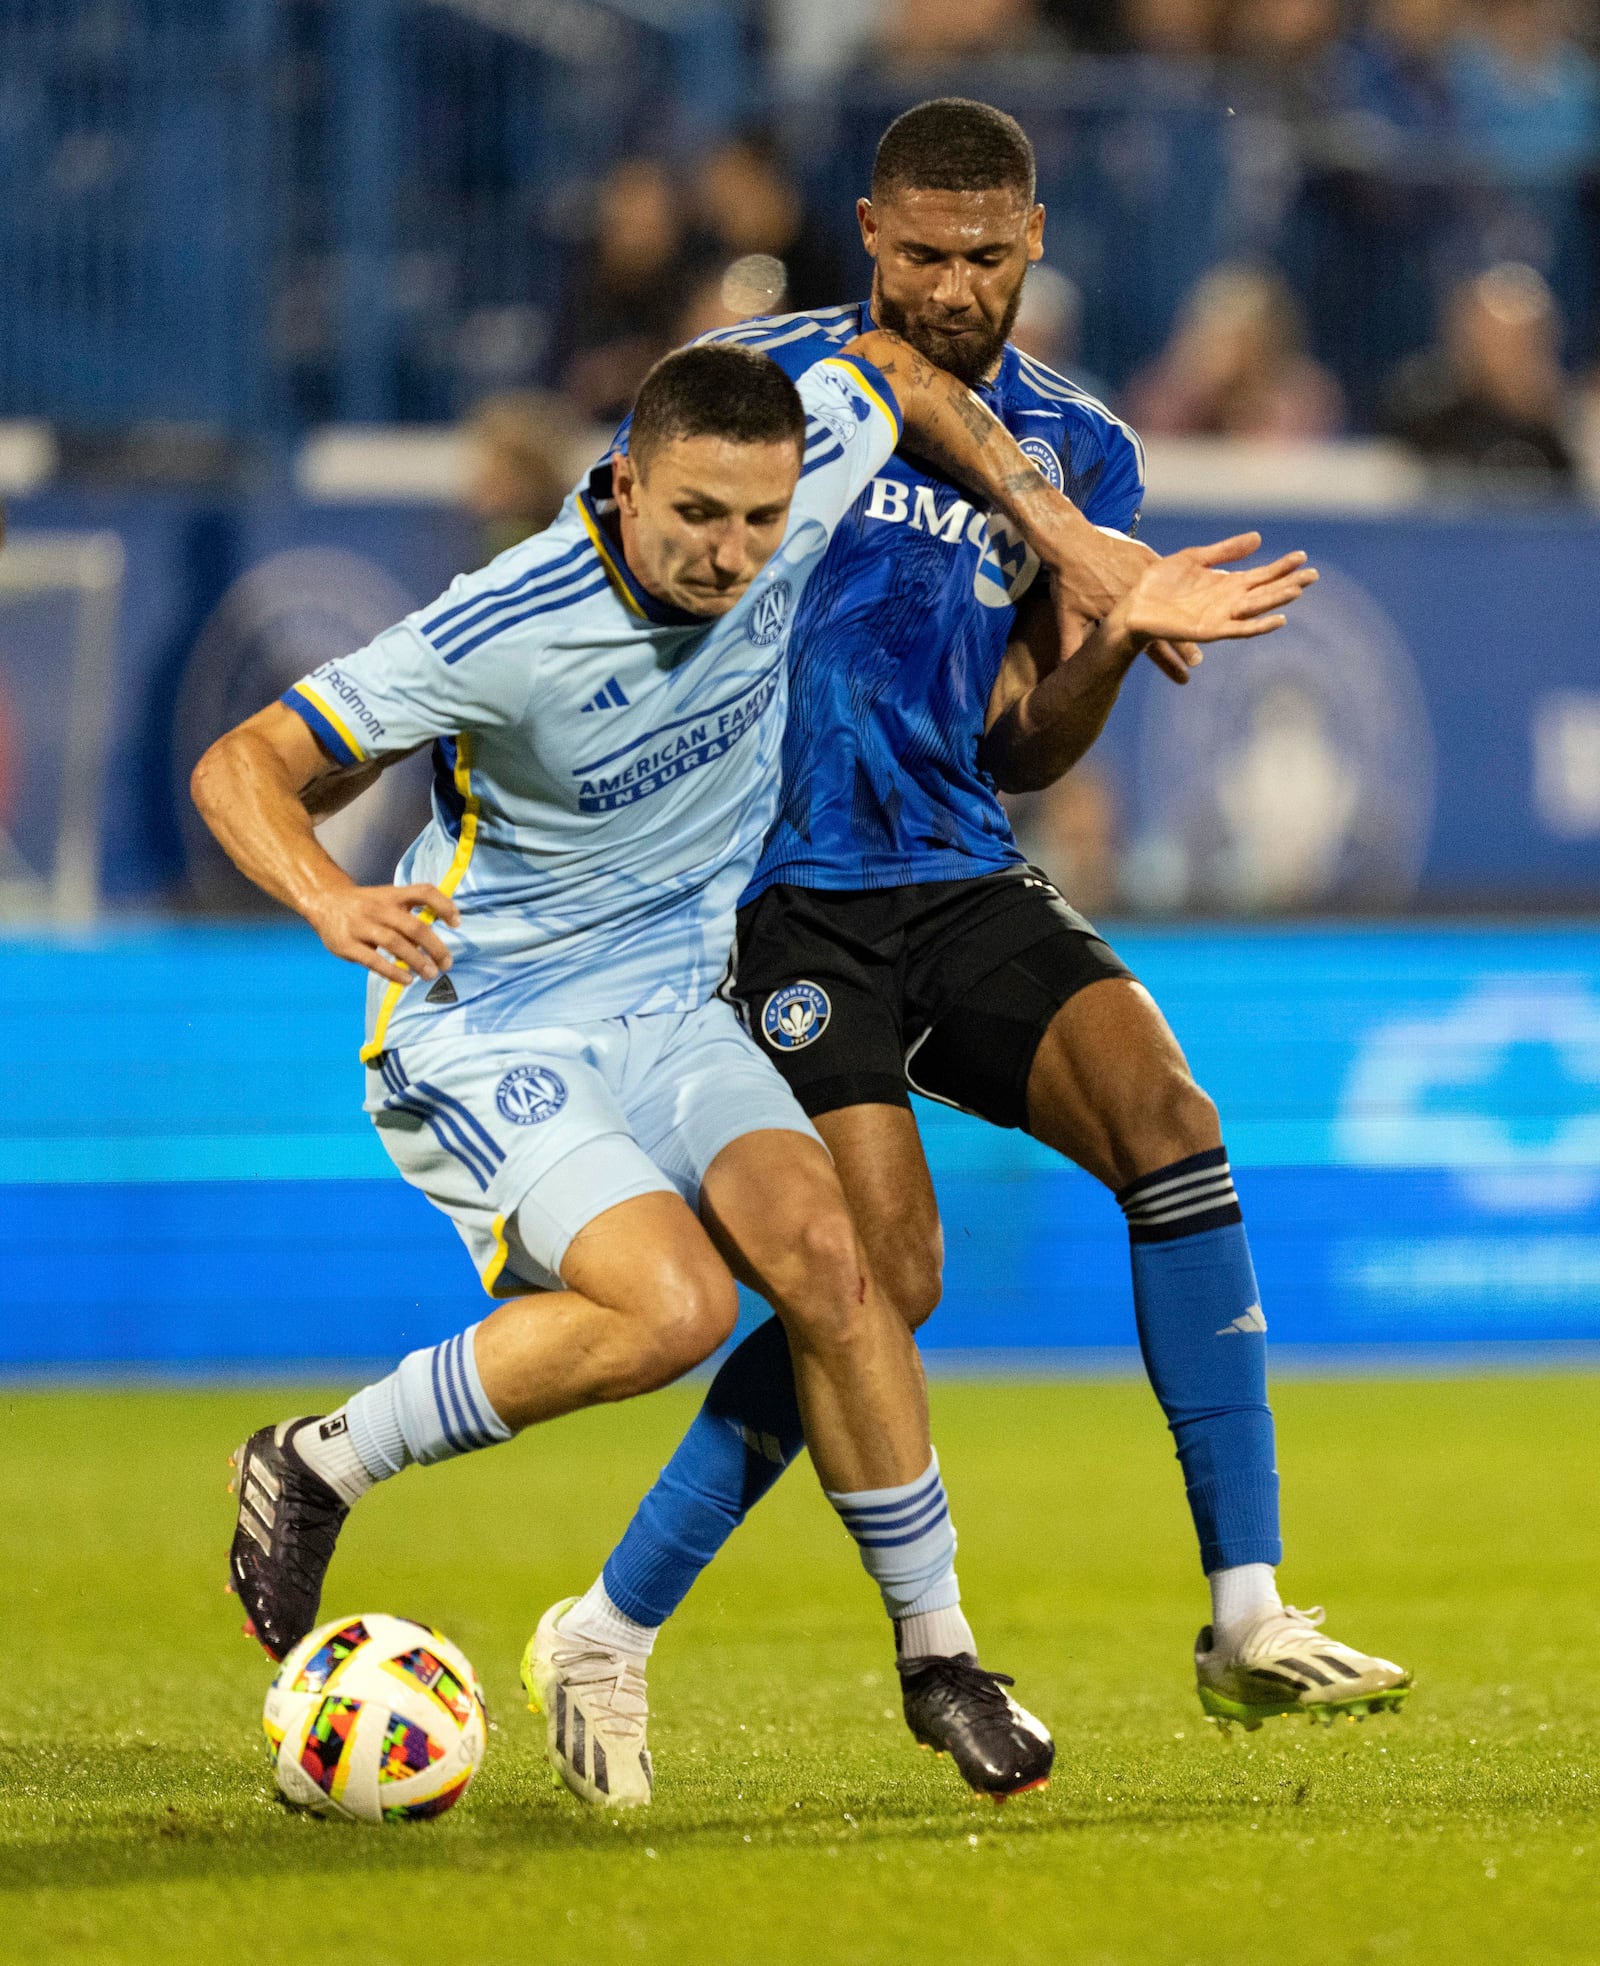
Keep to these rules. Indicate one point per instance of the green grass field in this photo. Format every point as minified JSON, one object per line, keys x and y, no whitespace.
{"x":1453,"y":1524}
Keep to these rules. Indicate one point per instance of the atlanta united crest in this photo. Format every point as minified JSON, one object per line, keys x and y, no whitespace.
{"x":795,"y":1016}
{"x":530,"y":1093}
{"x":769,"y":614}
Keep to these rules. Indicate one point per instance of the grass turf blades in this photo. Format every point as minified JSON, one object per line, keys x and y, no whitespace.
{"x":1450,"y":1524}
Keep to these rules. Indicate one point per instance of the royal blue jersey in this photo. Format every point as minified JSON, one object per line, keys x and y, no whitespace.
{"x":899,"y":638}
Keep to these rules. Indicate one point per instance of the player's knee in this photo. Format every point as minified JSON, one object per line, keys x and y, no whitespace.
{"x":911,"y":1276}
{"x":1175,"y":1119}
{"x":826,"y":1285}
{"x":688,"y":1313}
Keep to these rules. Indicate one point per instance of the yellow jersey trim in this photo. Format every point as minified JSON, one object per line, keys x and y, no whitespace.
{"x":498,"y":1261}
{"x":895,"y":421}
{"x":458,"y":866}
{"x":333,"y":717}
{"x":598,"y":540}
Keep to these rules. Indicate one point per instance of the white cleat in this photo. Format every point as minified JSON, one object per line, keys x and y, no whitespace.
{"x":596,"y":1711}
{"x":1281,"y":1663}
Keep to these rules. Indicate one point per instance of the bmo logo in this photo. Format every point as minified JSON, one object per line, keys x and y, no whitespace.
{"x":1006,"y":566}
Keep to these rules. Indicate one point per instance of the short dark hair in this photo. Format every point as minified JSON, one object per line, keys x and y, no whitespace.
{"x":709,"y":391}
{"x":951,"y":144}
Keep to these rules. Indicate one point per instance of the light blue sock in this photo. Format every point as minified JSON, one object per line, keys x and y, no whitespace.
{"x":432,"y":1407}
{"x":907,"y":1543}
{"x":1204,"y":1342}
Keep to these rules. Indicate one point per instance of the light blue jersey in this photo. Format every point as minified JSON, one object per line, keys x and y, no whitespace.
{"x":605,"y":767}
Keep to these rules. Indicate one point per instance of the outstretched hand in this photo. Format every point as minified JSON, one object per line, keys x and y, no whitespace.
{"x":1189,"y":597}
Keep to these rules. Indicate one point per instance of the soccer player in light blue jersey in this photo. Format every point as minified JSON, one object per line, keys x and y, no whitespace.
{"x":893,"y":939}
{"x":547,"y":1057}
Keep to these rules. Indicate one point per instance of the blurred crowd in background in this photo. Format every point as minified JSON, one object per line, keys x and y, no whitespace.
{"x":1272,"y":219}
{"x":1461,"y":135}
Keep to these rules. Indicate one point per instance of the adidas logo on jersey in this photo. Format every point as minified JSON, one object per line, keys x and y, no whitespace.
{"x":609,"y":698}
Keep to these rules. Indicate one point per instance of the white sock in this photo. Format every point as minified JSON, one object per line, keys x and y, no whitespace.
{"x":939,"y":1634}
{"x":1240,"y":1595}
{"x":595,"y":1617}
{"x":327,"y":1450}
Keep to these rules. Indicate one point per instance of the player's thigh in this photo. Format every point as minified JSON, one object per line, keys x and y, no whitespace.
{"x":979,"y":1050}
{"x":519,"y":1138}
{"x":696,"y":1083}
{"x":651,"y":1259}
{"x":1109,"y":1086}
{"x":821,"y":1000}
{"x":1063,"y":1042}
{"x":772,"y":1204}
{"x":877,"y":1152}
{"x":714,"y":1115}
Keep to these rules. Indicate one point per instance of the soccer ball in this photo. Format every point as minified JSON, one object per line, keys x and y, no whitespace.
{"x":377,"y":1719}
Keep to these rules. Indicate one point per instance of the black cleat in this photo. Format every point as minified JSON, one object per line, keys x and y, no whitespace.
{"x":289,"y":1521}
{"x":957,"y":1707}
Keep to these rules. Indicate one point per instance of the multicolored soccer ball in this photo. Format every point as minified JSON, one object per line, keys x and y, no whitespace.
{"x":375,"y":1718}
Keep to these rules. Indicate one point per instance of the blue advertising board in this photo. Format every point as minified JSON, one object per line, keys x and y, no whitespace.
{"x":1427,"y":728}
{"x":1414,"y":1114}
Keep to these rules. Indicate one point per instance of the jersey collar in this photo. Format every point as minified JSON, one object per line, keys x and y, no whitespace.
{"x":597,"y":510}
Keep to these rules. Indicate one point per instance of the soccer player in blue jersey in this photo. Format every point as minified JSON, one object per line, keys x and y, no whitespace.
{"x":547,"y":1057}
{"x":893,"y":939}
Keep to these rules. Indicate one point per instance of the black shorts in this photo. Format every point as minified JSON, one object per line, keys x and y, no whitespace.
{"x":944,"y":988}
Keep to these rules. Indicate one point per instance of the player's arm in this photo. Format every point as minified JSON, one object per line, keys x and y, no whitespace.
{"x":257,"y":789}
{"x":342,"y":785}
{"x":1054,"y":694}
{"x":946,"y":423}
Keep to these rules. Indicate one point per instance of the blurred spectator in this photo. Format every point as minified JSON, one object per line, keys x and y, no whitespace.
{"x":624,"y":290}
{"x":1282,"y":35}
{"x":1528,"y":94}
{"x":1048,"y":324}
{"x":1236,"y":366}
{"x":1069,"y":831}
{"x":1092,"y":25}
{"x":917,"y":32}
{"x":1283,"y":47}
{"x":1380,"y":205}
{"x":813,"y":39}
{"x":525,"y":450}
{"x":1390,"y":82}
{"x":1176,"y":30}
{"x":1491,"y":398}
{"x":746,"y":202}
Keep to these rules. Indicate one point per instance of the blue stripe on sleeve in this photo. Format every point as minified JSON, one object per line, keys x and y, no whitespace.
{"x":321,"y":729}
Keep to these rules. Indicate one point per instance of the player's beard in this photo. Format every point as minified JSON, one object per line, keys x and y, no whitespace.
{"x":968,"y":357}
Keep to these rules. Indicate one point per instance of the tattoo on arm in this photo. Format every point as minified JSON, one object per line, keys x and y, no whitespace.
{"x":973,"y":417}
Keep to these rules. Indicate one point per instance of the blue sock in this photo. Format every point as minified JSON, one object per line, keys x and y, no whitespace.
{"x":432,"y":1407}
{"x":742,"y":1439}
{"x":1204,"y":1344}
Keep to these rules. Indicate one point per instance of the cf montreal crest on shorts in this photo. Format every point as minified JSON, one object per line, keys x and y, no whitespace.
{"x":795,"y":1016}
{"x":531,"y":1093}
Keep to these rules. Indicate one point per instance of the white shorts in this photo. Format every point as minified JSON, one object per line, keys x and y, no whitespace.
{"x":524,"y":1137}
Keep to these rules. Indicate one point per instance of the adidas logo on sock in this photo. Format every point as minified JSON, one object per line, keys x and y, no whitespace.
{"x":609,"y":698}
{"x":1250,"y":1320}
